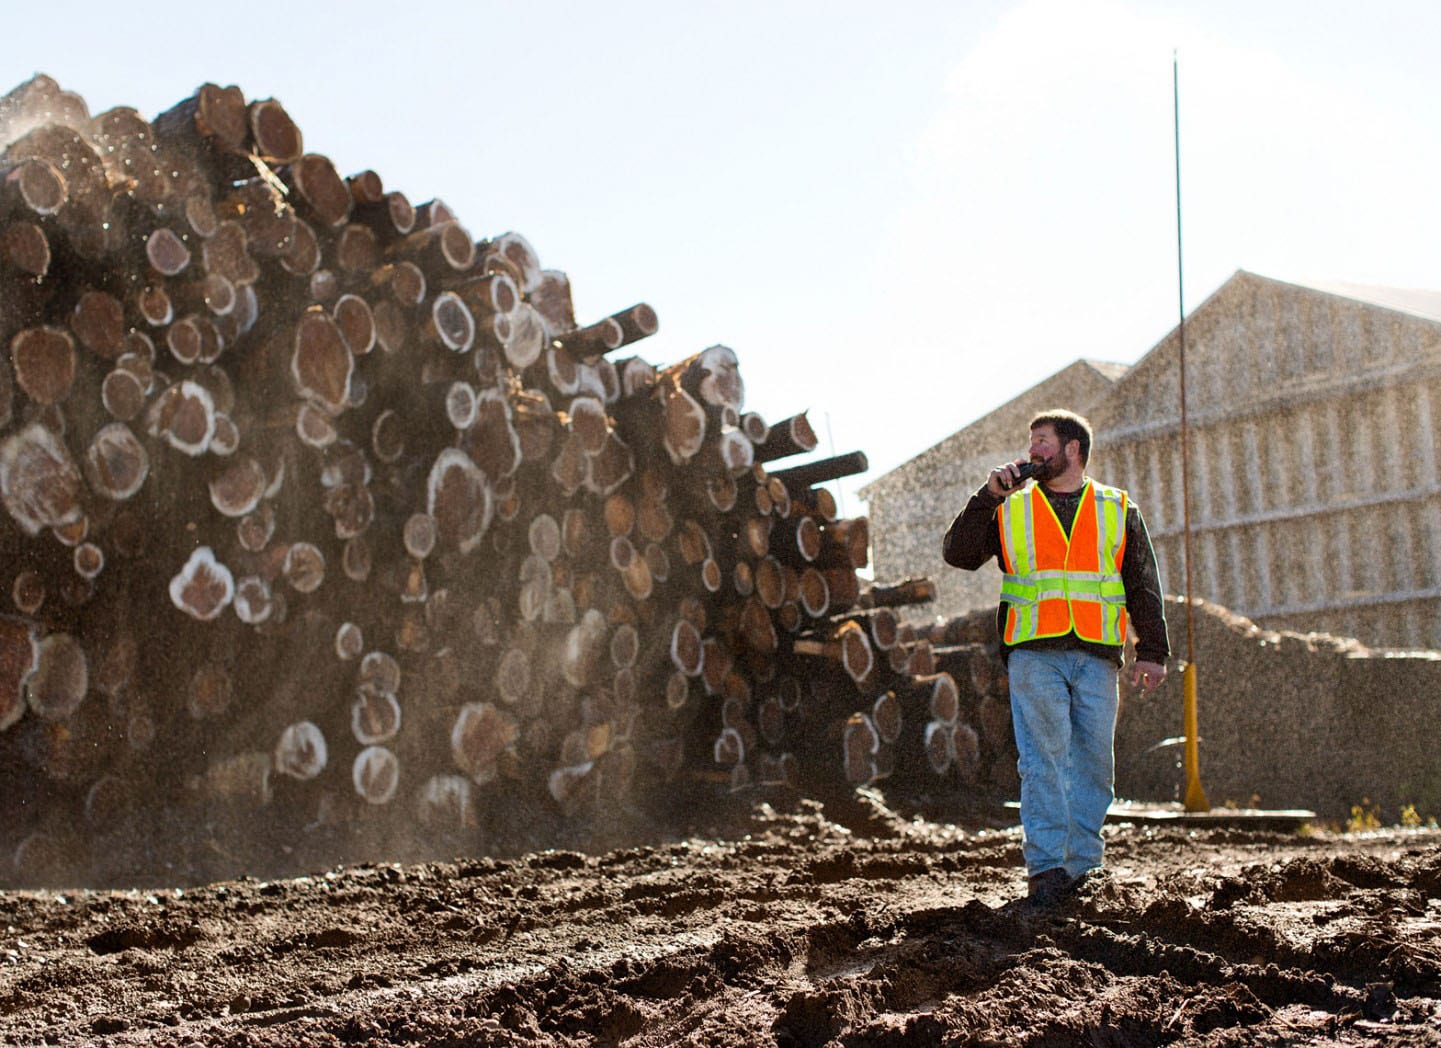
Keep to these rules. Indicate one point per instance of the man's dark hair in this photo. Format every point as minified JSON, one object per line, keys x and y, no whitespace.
{"x":1068,"y":426}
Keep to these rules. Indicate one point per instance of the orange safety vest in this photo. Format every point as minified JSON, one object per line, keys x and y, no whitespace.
{"x":1054,"y":583}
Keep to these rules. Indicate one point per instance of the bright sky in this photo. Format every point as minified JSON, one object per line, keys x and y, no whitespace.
{"x":899,"y":216}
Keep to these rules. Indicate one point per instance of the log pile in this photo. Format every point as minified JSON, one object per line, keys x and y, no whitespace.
{"x":315,"y":499}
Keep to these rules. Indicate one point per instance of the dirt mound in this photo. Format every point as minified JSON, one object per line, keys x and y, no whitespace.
{"x":845,"y":923}
{"x":1289,"y":720}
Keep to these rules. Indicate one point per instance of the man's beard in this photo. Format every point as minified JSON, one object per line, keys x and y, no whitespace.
{"x":1045,"y":469}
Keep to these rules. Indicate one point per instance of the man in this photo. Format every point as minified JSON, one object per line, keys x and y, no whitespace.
{"x":1077,"y":566}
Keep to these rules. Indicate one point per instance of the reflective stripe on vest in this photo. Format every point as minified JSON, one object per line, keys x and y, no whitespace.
{"x":1054,"y":584}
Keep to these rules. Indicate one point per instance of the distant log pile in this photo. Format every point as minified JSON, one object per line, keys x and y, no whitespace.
{"x":309,"y":489}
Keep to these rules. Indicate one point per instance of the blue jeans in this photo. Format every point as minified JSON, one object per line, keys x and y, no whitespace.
{"x":1063,"y":706}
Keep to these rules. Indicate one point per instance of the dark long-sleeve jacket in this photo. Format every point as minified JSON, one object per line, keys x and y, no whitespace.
{"x":973,"y":538}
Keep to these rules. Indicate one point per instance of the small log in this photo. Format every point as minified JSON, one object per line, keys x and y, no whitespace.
{"x":304,"y":567}
{"x":899,"y":594}
{"x":241,"y":779}
{"x":405,"y":281}
{"x":214,"y":115}
{"x":712,"y":377}
{"x":636,"y":376}
{"x":684,"y":423}
{"x":183,"y":415}
{"x":28,"y":593}
{"x":238,"y":488}
{"x":303,"y":257}
{"x":320,"y":187}
{"x":687,"y":651}
{"x":489,"y":294}
{"x":227,"y":252}
{"x":357,"y":249}
{"x":792,"y":436}
{"x":19,"y":659}
{"x":571,"y":466}
{"x":756,"y":627}
{"x":754,"y":427}
{"x":375,"y":774}
{"x":261,"y":211}
{"x":300,"y":751}
{"x":482,"y":733}
{"x":199,"y":213}
{"x":815,"y":593}
{"x":24,"y":246}
{"x":845,"y":543}
{"x":637,"y":322}
{"x":255,"y":530}
{"x":596,"y":339}
{"x":60,"y":678}
{"x":552,"y":300}
{"x":543,"y":536}
{"x":847,"y":645}
{"x":611,"y":467}
{"x":822,"y":470}
{"x":450,"y":323}
{"x":439,"y":248}
{"x":798,"y":543}
{"x":45,"y":363}
{"x":375,"y":716}
{"x":209,"y":691}
{"x":254,"y":600}
{"x":447,"y":803}
{"x":274,"y":136}
{"x":39,"y":482}
{"x":770,"y":584}
{"x":37,"y":184}
{"x":512,"y":254}
{"x":356,"y":321}
{"x":321,"y":363}
{"x":590,"y":424}
{"x":524,"y":337}
{"x":860,"y":745}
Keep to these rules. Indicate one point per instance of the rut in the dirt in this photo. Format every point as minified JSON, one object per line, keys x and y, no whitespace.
{"x":793,"y":929}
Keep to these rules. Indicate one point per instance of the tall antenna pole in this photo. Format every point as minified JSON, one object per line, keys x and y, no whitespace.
{"x":1195,"y":795}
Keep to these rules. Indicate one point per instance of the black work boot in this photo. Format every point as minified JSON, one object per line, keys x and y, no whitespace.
{"x":1048,"y":887}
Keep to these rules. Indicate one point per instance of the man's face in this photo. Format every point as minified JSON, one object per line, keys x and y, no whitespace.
{"x":1047,"y":452}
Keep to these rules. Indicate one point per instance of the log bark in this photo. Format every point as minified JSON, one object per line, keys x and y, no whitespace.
{"x":822,"y":470}
{"x":791,"y":436}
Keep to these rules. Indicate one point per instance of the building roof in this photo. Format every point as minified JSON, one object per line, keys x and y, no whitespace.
{"x":1101,"y":371}
{"x":1416,"y":301}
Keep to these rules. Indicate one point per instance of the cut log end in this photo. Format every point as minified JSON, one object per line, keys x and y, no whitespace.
{"x":300,"y":752}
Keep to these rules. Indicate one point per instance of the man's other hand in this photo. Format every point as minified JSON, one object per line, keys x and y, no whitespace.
{"x":1147,"y":675}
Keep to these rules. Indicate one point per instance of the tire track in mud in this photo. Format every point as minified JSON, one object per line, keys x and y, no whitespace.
{"x":802,"y":933}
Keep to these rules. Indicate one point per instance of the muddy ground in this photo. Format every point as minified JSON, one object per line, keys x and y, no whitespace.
{"x":843,"y":922}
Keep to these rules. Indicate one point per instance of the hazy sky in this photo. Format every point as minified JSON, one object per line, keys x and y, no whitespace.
{"x":899,"y":216}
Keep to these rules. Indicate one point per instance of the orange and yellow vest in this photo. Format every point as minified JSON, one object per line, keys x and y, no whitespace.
{"x":1054,"y":583}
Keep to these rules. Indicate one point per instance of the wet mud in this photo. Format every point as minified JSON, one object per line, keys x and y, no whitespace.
{"x":821,"y":923}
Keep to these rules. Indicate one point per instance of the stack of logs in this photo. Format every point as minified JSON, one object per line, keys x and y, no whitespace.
{"x":309,"y":490}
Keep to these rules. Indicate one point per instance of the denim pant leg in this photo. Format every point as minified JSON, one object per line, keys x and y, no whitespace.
{"x":1041,"y":715}
{"x":1095,"y":701}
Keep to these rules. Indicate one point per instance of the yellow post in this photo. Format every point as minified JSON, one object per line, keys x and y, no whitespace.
{"x":1195,"y":795}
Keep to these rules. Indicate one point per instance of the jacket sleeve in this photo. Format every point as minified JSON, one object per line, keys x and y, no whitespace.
{"x":1144,"y":602}
{"x":972,"y":538}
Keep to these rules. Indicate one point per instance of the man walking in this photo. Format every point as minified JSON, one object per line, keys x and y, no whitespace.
{"x":1077,"y":567}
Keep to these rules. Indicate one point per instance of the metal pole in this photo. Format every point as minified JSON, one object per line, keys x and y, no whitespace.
{"x":1195,"y":800}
